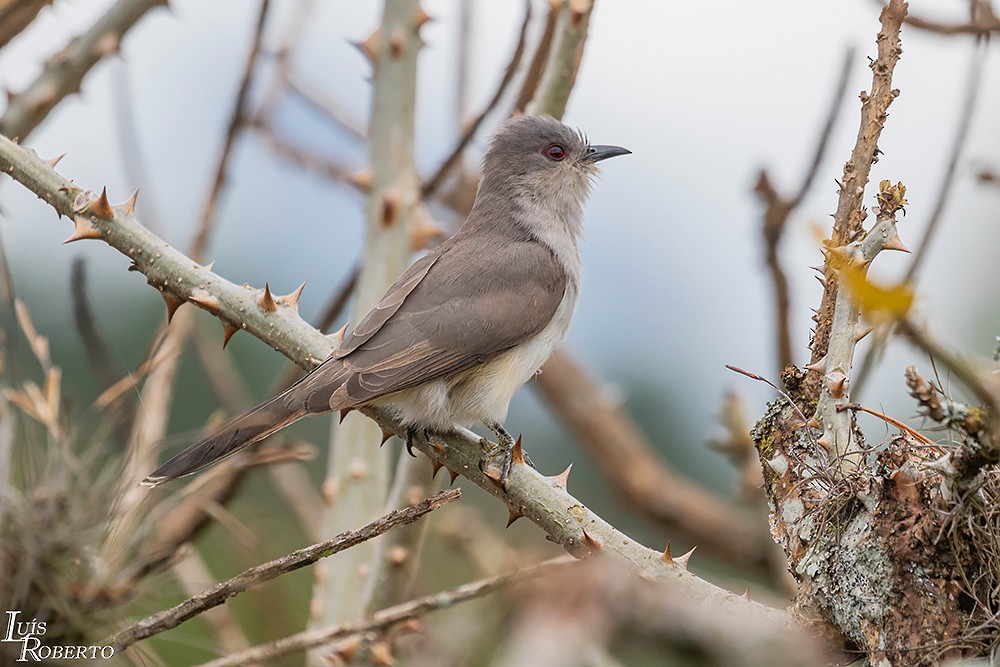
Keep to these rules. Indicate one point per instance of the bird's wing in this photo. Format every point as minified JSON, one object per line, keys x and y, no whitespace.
{"x":452,"y":310}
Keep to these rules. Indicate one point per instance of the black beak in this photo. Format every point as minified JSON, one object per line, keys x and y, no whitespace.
{"x":598,"y":153}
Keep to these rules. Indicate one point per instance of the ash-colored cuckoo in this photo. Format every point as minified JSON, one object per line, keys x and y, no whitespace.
{"x":469,"y":322}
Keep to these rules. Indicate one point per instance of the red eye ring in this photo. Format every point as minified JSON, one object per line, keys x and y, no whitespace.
{"x":555,"y":152}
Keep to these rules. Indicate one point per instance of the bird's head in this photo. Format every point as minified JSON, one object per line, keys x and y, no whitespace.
{"x":544,"y":164}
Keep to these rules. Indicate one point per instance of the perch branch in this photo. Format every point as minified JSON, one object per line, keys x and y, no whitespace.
{"x":64,"y":71}
{"x":259,"y":574}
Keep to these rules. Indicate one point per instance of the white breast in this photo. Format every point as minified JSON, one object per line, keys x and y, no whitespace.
{"x":483,"y":394}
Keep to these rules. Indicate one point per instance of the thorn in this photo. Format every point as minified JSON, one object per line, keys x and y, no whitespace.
{"x":54,"y":161}
{"x":824,"y":441}
{"x":435,"y":467}
{"x":862,"y":333}
{"x":517,"y":454}
{"x":369,"y":46}
{"x":821,"y":279}
{"x":386,"y":434}
{"x":173,"y":303}
{"x":380,"y":655}
{"x":559,"y":481}
{"x":205,"y":300}
{"x":412,"y":626}
{"x":895,"y":243}
{"x":454,"y":476}
{"x":512,"y":516}
{"x":814,"y":422}
{"x":266,"y":301}
{"x":128,"y":208}
{"x":362,"y":180}
{"x":84,"y":229}
{"x":817,"y":269}
{"x":347,"y":649}
{"x":227,"y":332}
{"x":746,"y":594}
{"x":682,"y":561}
{"x":818,"y":366}
{"x":422,"y":17}
{"x":133,"y":267}
{"x":666,"y":557}
{"x":344,"y":413}
{"x":592,"y":542}
{"x":338,"y":336}
{"x":207,"y":267}
{"x":100,"y":206}
{"x":836,"y":382}
{"x":291,"y":300}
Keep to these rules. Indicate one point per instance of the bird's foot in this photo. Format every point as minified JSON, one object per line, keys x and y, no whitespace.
{"x":410,"y":434}
{"x":507,"y":449}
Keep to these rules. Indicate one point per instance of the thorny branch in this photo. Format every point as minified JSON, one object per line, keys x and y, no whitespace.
{"x":850,"y":211}
{"x":64,"y":72}
{"x":259,"y":574}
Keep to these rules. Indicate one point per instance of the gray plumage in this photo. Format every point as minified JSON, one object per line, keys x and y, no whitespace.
{"x":468,"y":323}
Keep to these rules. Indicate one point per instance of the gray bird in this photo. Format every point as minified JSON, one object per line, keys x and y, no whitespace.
{"x":469,"y":322}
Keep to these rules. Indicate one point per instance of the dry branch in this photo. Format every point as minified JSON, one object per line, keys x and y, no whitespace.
{"x":16,"y":15}
{"x":386,"y":618}
{"x":850,"y":211}
{"x":64,"y":71}
{"x":259,"y":574}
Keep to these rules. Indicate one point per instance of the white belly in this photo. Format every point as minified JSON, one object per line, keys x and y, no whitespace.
{"x":483,"y":394}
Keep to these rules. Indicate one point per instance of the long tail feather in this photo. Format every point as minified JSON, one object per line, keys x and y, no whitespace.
{"x":241,"y":432}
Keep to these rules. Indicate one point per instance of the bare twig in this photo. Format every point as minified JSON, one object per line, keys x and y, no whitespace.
{"x":778,"y":210}
{"x":257,"y":575}
{"x":564,"y":62}
{"x":328,"y":108}
{"x":431,"y":185}
{"x":237,"y":120}
{"x":850,"y":213}
{"x":386,"y":618}
{"x":534,"y":74}
{"x":982,"y":22}
{"x":16,"y":15}
{"x":64,"y":71}
{"x":972,"y":85}
{"x":304,"y":159}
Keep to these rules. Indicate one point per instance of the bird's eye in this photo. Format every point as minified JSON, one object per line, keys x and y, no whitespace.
{"x":555,"y":152}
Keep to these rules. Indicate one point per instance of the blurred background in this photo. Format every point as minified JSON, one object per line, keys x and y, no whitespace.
{"x":704,"y":94}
